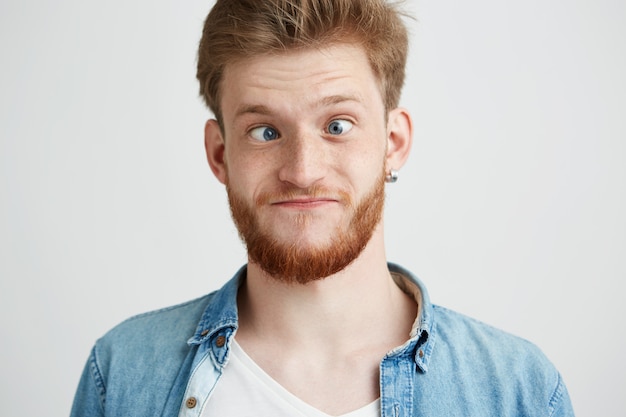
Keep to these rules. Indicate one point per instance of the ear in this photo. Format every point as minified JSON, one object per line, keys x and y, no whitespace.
{"x":215,"y":148}
{"x":399,"y":138}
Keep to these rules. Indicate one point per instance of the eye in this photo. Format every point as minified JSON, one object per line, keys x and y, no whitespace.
{"x":339,"y":127}
{"x":264,"y":133}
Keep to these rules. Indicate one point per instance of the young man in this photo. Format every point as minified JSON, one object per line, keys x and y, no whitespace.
{"x":306,"y":133}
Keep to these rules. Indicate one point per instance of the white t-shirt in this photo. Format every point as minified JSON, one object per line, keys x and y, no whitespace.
{"x":245,"y":390}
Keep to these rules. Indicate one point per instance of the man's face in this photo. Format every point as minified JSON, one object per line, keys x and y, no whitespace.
{"x":304,"y":155}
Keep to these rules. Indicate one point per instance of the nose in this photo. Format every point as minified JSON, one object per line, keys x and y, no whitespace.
{"x":303,"y":160}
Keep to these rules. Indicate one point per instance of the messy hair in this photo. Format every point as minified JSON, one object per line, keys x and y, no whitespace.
{"x":237,"y":29}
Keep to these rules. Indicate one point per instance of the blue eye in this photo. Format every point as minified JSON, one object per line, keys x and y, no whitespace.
{"x":339,"y":127}
{"x":264,"y":133}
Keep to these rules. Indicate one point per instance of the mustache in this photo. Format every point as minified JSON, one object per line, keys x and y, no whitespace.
{"x":286,"y":192}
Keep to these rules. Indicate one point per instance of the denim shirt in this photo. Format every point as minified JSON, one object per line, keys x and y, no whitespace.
{"x":167,"y":363}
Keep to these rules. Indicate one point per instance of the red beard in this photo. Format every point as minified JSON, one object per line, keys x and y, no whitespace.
{"x":293,"y":264}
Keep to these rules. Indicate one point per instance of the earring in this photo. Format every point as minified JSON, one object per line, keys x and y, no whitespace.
{"x":392,"y":176}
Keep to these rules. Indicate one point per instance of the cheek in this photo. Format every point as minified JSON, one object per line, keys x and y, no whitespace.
{"x":246,"y":176}
{"x":367,"y":161}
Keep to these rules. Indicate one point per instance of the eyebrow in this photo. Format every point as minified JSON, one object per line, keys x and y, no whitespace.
{"x":339,"y":98}
{"x":263,"y":110}
{"x":252,"y":109}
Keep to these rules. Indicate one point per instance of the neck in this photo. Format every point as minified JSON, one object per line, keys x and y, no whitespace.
{"x":342,"y":310}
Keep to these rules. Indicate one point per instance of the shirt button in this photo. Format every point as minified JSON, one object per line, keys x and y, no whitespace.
{"x":204,"y":333}
{"x":220,"y":341}
{"x":421,"y":353}
{"x":191,"y":402}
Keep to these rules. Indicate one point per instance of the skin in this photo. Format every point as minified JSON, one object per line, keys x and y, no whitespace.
{"x":321,"y":331}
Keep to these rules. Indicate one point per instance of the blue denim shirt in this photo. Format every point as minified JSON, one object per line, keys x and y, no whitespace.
{"x":167,"y":362}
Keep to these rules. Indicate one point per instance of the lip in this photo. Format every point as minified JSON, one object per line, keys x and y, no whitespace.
{"x":305,"y":202}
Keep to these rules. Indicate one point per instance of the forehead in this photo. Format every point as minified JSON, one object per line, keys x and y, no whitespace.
{"x":299,"y":77}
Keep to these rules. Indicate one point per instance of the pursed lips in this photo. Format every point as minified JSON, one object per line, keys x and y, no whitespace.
{"x":312,"y":197}
{"x":304,"y":202}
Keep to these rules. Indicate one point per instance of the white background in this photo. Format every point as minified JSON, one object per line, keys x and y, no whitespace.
{"x":511,"y":207}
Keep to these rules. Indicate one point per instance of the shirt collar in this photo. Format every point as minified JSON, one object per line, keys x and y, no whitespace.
{"x":420,"y":341}
{"x":221,"y":314}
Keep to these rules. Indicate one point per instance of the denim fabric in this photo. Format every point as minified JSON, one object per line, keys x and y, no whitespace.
{"x":166,"y":363}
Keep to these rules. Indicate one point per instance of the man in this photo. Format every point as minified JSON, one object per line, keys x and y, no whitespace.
{"x":307,"y":130}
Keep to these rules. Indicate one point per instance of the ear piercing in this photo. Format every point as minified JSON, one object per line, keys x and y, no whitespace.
{"x":392,"y":176}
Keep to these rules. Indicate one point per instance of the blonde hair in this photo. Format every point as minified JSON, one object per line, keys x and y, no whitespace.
{"x":236,"y":29}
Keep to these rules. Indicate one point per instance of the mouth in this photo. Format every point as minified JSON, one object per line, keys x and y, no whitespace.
{"x":304,"y":202}
{"x":304,"y":199}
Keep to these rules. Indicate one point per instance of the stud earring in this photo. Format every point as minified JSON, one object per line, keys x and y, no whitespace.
{"x":392,"y":176}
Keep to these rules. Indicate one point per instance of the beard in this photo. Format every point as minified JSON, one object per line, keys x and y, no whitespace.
{"x":301,"y":264}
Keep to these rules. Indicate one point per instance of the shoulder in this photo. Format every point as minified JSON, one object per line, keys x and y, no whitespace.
{"x":158,"y":336}
{"x":165,"y":336}
{"x":452,"y":324}
{"x":141,"y":365}
{"x":505,"y":367}
{"x":143,"y":355}
{"x":476,"y":338}
{"x":175,"y":321}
